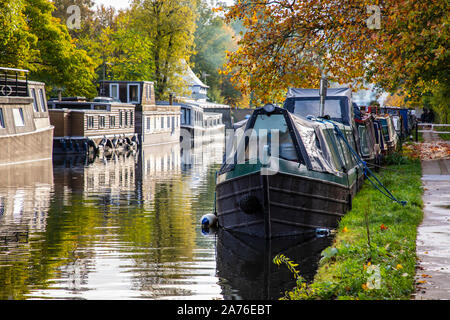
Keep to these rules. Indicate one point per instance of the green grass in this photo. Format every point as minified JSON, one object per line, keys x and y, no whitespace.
{"x":349,"y":267}
{"x":444,"y":136}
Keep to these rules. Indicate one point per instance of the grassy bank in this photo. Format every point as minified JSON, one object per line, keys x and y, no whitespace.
{"x":374,"y":252}
{"x":443,"y":136}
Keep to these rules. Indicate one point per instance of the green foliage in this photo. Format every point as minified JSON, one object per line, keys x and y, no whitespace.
{"x":16,"y":40}
{"x":32,"y":38}
{"x":282,"y":259}
{"x":212,"y":39}
{"x":170,"y":26}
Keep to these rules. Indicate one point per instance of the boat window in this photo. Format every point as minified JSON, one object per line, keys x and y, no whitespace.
{"x":262,"y":128}
{"x":148,"y":123}
{"x":335,"y":107}
{"x":341,"y":151}
{"x":101,"y":121}
{"x":362,"y":131}
{"x":19,"y":120}
{"x":2,"y":119}
{"x":35,"y":105}
{"x":384,"y":129}
{"x":114,"y":91}
{"x":133,"y":93}
{"x":90,"y":122}
{"x":42,"y":99}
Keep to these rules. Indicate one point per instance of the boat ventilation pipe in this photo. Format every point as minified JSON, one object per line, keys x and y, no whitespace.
{"x":250,"y":204}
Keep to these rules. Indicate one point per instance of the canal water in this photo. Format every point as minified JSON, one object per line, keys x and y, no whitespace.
{"x":127,"y":227}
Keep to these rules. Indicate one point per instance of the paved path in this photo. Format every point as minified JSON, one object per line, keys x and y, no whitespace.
{"x":433,"y":237}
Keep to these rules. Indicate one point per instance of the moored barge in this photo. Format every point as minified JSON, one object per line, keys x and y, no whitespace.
{"x":306,"y":183}
{"x":25,"y":130}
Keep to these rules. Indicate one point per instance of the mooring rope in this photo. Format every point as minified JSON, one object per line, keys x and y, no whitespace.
{"x":358,"y":159}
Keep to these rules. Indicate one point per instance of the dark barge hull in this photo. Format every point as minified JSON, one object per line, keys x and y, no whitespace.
{"x":246,"y":264}
{"x":281,"y":204}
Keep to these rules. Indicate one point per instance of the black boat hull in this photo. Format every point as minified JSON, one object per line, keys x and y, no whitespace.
{"x":270,"y":206}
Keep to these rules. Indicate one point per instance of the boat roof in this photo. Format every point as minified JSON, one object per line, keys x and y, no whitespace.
{"x":332,"y":92}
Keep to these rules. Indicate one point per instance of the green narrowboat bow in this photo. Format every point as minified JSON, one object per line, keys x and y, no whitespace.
{"x":303,"y":183}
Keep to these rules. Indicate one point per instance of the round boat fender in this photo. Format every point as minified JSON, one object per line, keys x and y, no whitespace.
{"x":135,"y":139}
{"x":208,"y":220}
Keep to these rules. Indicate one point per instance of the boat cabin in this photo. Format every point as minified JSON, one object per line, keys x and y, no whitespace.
{"x":154,"y":123}
{"x":369,"y":148}
{"x":91,"y":126}
{"x":25,"y":130}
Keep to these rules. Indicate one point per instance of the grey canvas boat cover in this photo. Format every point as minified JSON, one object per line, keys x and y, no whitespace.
{"x":306,"y":102}
{"x":311,"y":134}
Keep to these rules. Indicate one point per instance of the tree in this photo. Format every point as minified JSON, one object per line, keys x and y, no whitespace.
{"x":291,"y":43}
{"x":31,"y":38}
{"x":84,"y":9}
{"x":16,"y":40}
{"x":212,"y":39}
{"x":59,"y":63}
{"x":170,"y":26}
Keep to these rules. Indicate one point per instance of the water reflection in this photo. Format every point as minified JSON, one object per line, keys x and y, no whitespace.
{"x":123,"y":227}
{"x":246,"y":270}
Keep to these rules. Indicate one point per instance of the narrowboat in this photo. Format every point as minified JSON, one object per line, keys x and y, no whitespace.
{"x":304,"y":180}
{"x":155,"y":123}
{"x":25,"y":130}
{"x":199,"y":126}
{"x":369,"y":149}
{"x":388,"y":132}
{"x":101,"y":126}
{"x":403,"y":119}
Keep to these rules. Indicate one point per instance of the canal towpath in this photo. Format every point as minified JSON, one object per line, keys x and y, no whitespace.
{"x":433,"y":234}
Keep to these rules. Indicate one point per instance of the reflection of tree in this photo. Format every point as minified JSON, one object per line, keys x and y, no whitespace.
{"x":101,"y":208}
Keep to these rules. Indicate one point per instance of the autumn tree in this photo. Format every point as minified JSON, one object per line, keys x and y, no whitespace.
{"x":292,"y":43}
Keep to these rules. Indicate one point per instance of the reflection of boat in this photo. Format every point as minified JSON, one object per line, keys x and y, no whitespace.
{"x":246,"y":269}
{"x":25,"y":130}
{"x":306,"y":182}
{"x":25,"y":192}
